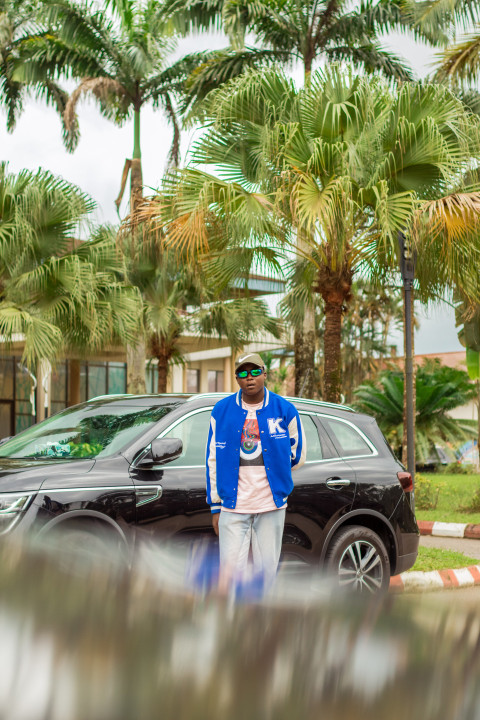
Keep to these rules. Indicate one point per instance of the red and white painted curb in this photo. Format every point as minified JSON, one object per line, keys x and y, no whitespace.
{"x":442,"y":529}
{"x":440,"y":579}
{"x":435,"y":580}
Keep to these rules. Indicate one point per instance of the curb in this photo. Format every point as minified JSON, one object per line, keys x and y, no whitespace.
{"x":440,"y":579}
{"x":435,"y":580}
{"x":442,"y":529}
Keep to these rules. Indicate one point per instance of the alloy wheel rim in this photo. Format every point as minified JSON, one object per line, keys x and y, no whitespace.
{"x":360,"y":567}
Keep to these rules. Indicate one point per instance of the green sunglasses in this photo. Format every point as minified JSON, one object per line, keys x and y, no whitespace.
{"x":256,"y":372}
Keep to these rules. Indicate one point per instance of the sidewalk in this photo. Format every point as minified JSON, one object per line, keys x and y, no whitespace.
{"x":440,"y":579}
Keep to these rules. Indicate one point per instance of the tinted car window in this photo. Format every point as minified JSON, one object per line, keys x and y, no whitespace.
{"x":348,"y":439}
{"x":314,"y":446}
{"x":86,"y":431}
{"x":193,"y":432}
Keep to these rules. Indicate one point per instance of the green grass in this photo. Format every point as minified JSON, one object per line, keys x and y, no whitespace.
{"x":435,"y":559}
{"x":454,"y":491}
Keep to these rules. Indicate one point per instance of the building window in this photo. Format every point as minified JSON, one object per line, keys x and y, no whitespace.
{"x":24,"y":416}
{"x":107,"y":378}
{"x":215,"y":381}
{"x":151,"y":378}
{"x":117,"y":378}
{"x":193,"y":381}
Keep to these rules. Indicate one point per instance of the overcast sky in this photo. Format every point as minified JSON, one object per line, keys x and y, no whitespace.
{"x":97,"y":163}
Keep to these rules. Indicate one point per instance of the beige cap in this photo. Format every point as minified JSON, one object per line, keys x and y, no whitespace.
{"x":245,"y":358}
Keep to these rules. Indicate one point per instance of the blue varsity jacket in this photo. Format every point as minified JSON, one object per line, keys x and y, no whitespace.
{"x":283,"y":448}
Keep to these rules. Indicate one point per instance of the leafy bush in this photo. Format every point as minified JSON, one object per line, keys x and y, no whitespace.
{"x":439,"y":389}
{"x":473,"y":506}
{"x":427,"y":490}
{"x":456,"y":468}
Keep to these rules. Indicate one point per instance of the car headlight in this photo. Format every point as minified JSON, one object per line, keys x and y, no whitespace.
{"x":12,"y":505}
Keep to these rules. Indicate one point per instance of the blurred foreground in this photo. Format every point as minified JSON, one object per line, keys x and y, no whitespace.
{"x":93,"y":642}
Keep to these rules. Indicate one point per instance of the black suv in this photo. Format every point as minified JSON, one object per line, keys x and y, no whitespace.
{"x":121,"y":467}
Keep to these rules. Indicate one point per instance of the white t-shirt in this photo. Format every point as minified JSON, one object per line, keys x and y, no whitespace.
{"x":254,"y":494}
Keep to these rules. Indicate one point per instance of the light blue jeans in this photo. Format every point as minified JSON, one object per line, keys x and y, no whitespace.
{"x":238,"y":532}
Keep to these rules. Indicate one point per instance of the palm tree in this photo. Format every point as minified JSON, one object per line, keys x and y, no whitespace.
{"x":459,"y":62}
{"x":118,"y":54}
{"x":439,"y":389}
{"x":291,"y":31}
{"x":346,"y":163}
{"x":288,"y":32}
{"x":18,"y":21}
{"x":179,"y":297}
{"x":59,"y":293}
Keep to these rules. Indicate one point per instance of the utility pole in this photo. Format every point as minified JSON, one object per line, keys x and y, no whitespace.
{"x":407,"y":269}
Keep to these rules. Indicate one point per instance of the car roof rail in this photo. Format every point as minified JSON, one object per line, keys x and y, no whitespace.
{"x":322,"y":403}
{"x":103,"y":397}
{"x":308,"y":401}
{"x":194,"y":396}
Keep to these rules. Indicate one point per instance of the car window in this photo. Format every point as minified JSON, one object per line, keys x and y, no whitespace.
{"x":95,"y":429}
{"x":314,"y":446}
{"x":193,"y":432}
{"x":350,"y":442}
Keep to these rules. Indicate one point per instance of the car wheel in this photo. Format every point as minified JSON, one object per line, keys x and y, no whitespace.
{"x":358,"y":559}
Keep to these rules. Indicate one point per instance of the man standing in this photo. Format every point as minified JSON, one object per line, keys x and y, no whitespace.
{"x":255,"y":440}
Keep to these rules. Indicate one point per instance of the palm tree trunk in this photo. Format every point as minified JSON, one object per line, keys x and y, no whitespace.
{"x":305,"y":336}
{"x":136,"y":354}
{"x":335,"y":287}
{"x":162,"y":352}
{"x":332,"y":354}
{"x":136,"y":177}
{"x":305,"y":340}
{"x":305,"y":357}
{"x":162,"y":374}
{"x":136,"y":368}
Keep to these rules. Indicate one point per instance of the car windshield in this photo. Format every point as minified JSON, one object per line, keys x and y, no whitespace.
{"x":89,"y":431}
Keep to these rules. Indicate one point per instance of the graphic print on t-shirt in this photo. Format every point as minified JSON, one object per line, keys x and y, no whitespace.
{"x":250,"y":445}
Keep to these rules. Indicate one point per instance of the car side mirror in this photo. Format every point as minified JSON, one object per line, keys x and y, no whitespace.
{"x":164,"y":450}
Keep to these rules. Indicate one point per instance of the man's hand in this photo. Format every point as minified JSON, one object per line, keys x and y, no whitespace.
{"x":215,"y":519}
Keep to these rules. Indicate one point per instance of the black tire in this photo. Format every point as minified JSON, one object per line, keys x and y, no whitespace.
{"x":358,"y":560}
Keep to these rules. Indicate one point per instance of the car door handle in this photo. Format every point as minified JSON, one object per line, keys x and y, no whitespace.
{"x":337,"y":482}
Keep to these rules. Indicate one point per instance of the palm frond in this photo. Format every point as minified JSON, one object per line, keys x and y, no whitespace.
{"x":104,"y":89}
{"x":460,"y":62}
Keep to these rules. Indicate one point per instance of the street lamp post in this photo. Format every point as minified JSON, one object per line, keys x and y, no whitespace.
{"x":407,"y":269}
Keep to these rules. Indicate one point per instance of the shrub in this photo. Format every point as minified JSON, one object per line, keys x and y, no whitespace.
{"x":427,"y":491}
{"x":456,"y":468}
{"x":474,"y":505}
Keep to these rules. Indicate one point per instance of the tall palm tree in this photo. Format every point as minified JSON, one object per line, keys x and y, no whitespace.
{"x":291,"y":31}
{"x":347,"y":162}
{"x":288,"y":32}
{"x":119,"y":55}
{"x":179,"y":296}
{"x":60,"y":293}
